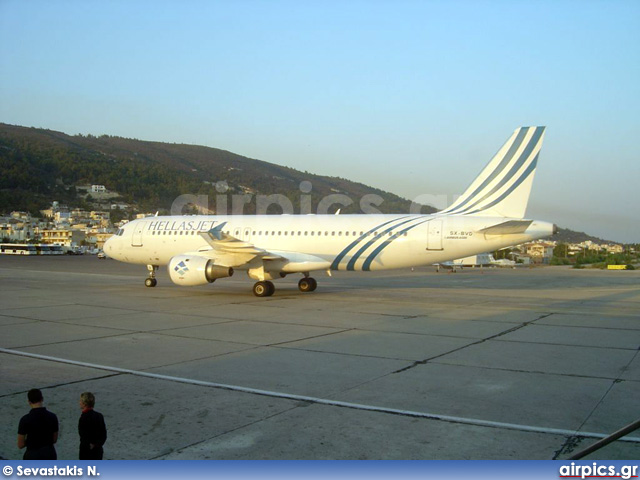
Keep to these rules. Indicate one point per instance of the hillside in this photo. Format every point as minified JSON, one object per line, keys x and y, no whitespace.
{"x":39,"y":166}
{"x":565,"y":235}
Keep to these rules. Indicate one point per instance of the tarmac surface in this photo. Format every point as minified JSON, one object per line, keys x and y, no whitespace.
{"x":480,"y":364}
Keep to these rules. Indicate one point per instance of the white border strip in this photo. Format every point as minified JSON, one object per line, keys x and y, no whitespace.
{"x":324,"y":401}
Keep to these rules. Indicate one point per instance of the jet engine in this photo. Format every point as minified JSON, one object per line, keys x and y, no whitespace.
{"x":191,"y":270}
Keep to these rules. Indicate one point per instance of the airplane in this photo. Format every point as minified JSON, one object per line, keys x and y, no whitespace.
{"x":199,"y":249}
{"x":480,"y":260}
{"x":472,"y":261}
{"x":504,"y":263}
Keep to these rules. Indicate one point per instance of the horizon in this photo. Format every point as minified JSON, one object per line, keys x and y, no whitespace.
{"x":380,"y":93}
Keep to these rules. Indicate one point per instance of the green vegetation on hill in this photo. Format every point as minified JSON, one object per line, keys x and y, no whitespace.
{"x":39,"y":166}
{"x":565,"y":235}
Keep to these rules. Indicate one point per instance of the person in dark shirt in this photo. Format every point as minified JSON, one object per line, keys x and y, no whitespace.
{"x":92,"y":430}
{"x":38,"y":430}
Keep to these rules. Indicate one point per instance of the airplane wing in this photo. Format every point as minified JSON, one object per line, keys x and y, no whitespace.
{"x":231,"y":251}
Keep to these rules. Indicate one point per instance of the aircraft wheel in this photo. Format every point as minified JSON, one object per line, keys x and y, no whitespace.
{"x":272,"y":288}
{"x":262,"y":289}
{"x":150,"y":282}
{"x":307,"y":284}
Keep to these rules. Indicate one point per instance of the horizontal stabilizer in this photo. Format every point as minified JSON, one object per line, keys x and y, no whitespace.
{"x":508,"y":228}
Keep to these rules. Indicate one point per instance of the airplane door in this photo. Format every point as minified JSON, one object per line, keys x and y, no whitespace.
{"x":434,"y":235}
{"x":136,"y":239}
{"x":246,"y":235}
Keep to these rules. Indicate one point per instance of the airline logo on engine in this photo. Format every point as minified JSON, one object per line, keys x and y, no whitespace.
{"x":181,"y":268}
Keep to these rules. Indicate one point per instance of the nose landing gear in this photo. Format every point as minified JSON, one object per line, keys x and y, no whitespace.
{"x":151,"y":280}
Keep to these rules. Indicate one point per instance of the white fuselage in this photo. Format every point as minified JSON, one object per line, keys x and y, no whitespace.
{"x":321,"y":242}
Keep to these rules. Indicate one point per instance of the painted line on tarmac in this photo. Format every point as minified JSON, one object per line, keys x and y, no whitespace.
{"x":324,"y":401}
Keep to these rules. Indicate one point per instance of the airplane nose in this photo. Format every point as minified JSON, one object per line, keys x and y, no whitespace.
{"x":108,"y":246}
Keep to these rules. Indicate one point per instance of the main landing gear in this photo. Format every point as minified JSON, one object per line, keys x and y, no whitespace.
{"x":307,"y":284}
{"x":151,"y":280}
{"x":264,"y":289}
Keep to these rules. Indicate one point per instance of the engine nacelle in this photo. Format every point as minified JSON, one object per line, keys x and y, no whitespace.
{"x":195,"y":270}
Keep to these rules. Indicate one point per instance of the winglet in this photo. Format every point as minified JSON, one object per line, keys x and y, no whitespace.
{"x":216,"y":232}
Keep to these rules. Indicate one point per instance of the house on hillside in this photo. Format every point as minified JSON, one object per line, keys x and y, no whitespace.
{"x":62,"y":236}
{"x":539,"y":252}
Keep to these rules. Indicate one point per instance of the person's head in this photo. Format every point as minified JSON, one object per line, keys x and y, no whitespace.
{"x":87,"y":400}
{"x":35,"y":396}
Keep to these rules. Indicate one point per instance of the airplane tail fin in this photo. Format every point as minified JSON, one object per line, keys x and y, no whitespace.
{"x":502,"y":189}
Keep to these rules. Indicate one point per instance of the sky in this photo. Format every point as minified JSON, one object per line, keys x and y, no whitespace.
{"x":413,"y":97}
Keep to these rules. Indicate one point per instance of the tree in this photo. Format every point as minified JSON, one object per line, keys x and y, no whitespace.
{"x":561,"y":250}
